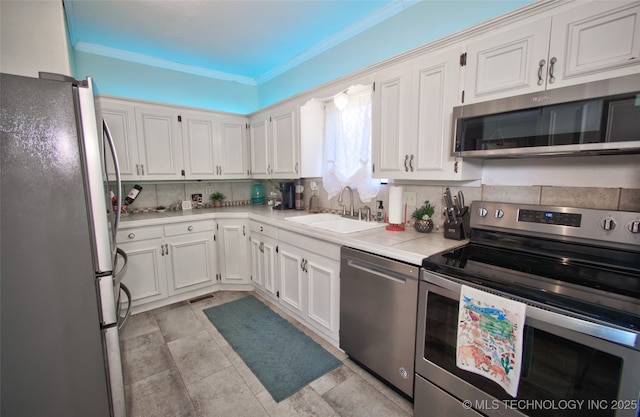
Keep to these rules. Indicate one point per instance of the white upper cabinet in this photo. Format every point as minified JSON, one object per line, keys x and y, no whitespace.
{"x":274,"y":142}
{"x":234,"y":147}
{"x":592,"y":41}
{"x":215,"y":146}
{"x":595,"y":41}
{"x":391,"y":146}
{"x":159,"y":142}
{"x":121,"y":119}
{"x":412,"y":120}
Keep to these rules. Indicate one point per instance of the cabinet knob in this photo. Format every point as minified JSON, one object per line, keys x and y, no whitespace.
{"x":131,"y":236}
{"x":190,"y":228}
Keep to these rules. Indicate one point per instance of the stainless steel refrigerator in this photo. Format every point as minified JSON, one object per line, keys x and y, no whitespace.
{"x":59,"y":294}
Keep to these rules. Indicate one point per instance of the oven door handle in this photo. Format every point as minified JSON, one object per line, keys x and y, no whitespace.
{"x":607,"y":332}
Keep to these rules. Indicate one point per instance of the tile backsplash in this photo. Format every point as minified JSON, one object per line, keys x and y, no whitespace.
{"x":239,"y":192}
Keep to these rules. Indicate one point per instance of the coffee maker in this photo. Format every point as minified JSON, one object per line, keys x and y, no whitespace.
{"x":288,"y":196}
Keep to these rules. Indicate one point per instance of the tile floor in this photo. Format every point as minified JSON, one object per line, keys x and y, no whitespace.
{"x":177,"y":364}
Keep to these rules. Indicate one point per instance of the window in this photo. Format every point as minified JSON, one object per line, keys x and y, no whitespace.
{"x":347,"y":147}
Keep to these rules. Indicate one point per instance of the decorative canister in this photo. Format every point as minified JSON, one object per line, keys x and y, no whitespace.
{"x":423,"y":226}
{"x":257,"y":194}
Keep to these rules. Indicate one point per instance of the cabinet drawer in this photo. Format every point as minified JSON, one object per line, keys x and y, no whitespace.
{"x":134,"y":235}
{"x":188,"y":227}
{"x":264,"y":229}
{"x":309,"y":244}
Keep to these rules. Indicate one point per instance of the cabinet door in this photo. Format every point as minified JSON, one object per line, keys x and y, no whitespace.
{"x":390,"y":115}
{"x":234,"y":148}
{"x":190,"y":261}
{"x":284,"y":145}
{"x":146,"y":275}
{"x":510,"y":63}
{"x":594,"y":41}
{"x":436,"y":81}
{"x":324,"y":294}
{"x":257,"y":262}
{"x":260,"y":157}
{"x":270,"y":263}
{"x":159,"y":142}
{"x":200,"y":145}
{"x":121,"y":119}
{"x":234,"y":251}
{"x":291,"y":278}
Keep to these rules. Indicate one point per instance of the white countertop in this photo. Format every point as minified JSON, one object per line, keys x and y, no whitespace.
{"x":407,"y":246}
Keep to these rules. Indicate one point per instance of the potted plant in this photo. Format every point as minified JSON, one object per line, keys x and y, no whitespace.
{"x":422,"y":215}
{"x":217,"y":198}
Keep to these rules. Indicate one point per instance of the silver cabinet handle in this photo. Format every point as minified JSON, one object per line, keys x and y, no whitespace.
{"x":552,"y":78}
{"x":131,"y":235}
{"x":243,"y":231}
{"x":296,"y":167}
{"x":302,"y":264}
{"x":137,"y":169}
{"x":162,"y":250}
{"x":261,"y":228}
{"x":411,"y":162}
{"x":190,"y":228}
{"x":540,"y":66}
{"x":406,"y":159}
{"x":142,"y":168}
{"x":166,"y":247}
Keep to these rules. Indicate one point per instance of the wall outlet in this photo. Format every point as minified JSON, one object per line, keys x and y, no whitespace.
{"x":208,"y":191}
{"x":410,"y":198}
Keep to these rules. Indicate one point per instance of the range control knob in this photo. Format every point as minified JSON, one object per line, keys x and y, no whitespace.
{"x":498,"y":214}
{"x":634,"y":226}
{"x":608,"y":224}
{"x":482,"y":212}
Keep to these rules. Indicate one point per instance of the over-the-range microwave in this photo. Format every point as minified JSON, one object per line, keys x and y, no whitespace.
{"x":601,"y":117}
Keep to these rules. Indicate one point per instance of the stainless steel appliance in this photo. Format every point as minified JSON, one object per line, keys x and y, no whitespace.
{"x":594,"y":118}
{"x":287,"y":189}
{"x":578,"y":272}
{"x":378,"y":299}
{"x":60,"y":339}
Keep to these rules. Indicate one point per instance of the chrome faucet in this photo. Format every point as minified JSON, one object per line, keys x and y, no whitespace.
{"x":340,"y":200}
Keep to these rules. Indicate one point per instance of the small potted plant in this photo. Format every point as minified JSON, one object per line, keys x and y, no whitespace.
{"x":422,"y":215}
{"x":217,"y":198}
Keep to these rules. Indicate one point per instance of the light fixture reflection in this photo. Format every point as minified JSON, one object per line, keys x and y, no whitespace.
{"x":341,"y":100}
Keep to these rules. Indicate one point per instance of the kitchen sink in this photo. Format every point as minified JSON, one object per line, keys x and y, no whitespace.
{"x":334,"y":223}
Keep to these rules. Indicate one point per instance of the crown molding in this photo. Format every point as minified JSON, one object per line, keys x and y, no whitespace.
{"x":160,"y":63}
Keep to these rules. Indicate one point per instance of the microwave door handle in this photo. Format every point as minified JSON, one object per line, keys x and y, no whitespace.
{"x":116,"y":166}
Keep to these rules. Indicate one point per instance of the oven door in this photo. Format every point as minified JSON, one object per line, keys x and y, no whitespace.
{"x":566,"y":370}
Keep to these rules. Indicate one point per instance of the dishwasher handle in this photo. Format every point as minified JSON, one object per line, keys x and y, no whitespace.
{"x":371,"y":269}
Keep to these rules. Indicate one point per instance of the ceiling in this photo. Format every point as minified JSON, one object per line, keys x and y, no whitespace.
{"x":248,"y":41}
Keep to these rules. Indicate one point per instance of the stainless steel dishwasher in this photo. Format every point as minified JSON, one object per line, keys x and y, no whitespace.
{"x":378,"y":304}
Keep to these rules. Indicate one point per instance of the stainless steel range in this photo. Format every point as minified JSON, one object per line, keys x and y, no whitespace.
{"x":578,"y":273}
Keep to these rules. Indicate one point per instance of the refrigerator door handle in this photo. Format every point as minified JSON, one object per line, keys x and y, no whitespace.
{"x":114,"y":155}
{"x":122,"y":318}
{"x":108,"y":307}
{"x":119,"y":274}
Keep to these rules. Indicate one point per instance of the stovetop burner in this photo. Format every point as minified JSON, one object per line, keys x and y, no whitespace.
{"x":561,"y":265}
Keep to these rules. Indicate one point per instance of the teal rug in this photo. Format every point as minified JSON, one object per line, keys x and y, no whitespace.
{"x":282,"y":357}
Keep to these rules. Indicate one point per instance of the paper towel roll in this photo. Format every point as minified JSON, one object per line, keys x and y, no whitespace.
{"x":395,"y":205}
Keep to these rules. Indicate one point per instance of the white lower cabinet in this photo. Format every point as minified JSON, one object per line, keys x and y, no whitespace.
{"x":146,"y":274}
{"x":310,"y":281}
{"x":264,"y":246}
{"x":233,"y":251}
{"x":176,"y":260}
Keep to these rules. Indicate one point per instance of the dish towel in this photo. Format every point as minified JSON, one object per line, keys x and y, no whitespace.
{"x":489,"y":339}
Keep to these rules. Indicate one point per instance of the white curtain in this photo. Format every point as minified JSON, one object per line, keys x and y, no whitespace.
{"x":347,"y":148}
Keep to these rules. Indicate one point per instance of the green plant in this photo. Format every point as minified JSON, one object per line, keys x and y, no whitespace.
{"x":424,"y":212}
{"x":217,"y":196}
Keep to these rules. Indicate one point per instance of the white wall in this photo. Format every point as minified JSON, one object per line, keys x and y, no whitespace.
{"x":33,"y":38}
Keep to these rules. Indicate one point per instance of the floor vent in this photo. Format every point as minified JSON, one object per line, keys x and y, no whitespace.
{"x":201,"y":298}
